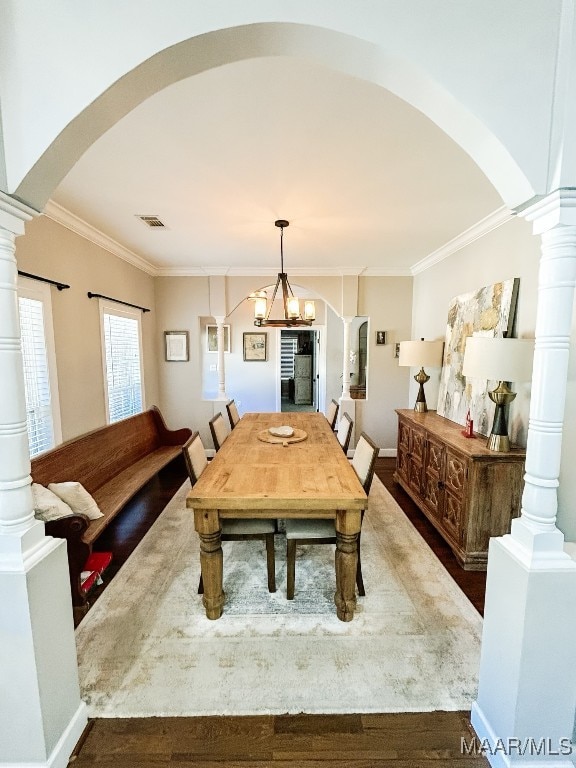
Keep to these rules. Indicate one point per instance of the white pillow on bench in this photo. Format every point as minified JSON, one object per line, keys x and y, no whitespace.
{"x":48,"y":506}
{"x":77,"y":498}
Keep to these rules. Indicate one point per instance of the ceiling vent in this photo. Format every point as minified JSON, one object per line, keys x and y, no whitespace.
{"x":151,"y":221}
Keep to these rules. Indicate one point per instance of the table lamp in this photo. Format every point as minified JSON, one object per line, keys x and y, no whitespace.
{"x":418,"y":354}
{"x":501,"y":360}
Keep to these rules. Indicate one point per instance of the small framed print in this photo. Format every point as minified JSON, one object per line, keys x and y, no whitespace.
{"x":176,"y":347}
{"x":255,"y":346}
{"x":380,"y":337}
{"x":212,"y":338}
{"x":397,"y":349}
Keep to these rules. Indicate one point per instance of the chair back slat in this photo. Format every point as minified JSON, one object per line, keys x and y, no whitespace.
{"x":195,"y":457}
{"x":218,"y":430}
{"x":364,"y":460}
{"x":344,"y":431}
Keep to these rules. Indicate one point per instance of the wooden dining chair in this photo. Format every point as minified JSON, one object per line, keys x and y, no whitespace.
{"x":219,"y":430}
{"x":233,"y":415}
{"x":240,"y":529}
{"x":320,"y":531}
{"x":344,"y":432}
{"x":332,"y":413}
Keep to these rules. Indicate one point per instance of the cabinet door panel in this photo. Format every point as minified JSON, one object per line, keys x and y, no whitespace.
{"x":453,"y":517}
{"x":433,"y":494}
{"x":417,"y":445}
{"x":455,"y":478}
{"x":434,"y":458}
{"x":404,"y":437}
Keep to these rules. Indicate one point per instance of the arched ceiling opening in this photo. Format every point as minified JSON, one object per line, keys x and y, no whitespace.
{"x":372,"y":162}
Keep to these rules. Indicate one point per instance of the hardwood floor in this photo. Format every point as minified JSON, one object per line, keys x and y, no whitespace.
{"x":414,"y":740}
{"x":405,"y":740}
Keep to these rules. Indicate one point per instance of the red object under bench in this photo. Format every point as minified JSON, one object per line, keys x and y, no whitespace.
{"x":95,"y":566}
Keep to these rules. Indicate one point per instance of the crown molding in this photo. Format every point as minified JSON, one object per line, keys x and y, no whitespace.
{"x":476,"y":231}
{"x":381,"y":272}
{"x":269,"y":271}
{"x":67,"y":219}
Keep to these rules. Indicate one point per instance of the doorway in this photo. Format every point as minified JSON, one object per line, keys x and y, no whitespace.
{"x":298,"y":370}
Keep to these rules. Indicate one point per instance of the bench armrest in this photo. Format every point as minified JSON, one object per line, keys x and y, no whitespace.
{"x":72,"y":528}
{"x":170,"y":436}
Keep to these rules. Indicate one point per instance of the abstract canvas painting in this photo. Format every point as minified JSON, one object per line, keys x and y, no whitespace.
{"x":488,"y":311}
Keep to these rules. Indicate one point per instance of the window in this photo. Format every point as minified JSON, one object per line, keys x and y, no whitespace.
{"x":121,"y":345}
{"x":39,"y":362}
{"x":288,"y":347}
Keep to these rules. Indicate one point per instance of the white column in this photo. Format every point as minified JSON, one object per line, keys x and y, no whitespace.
{"x":527,"y":685}
{"x":346,"y":358}
{"x":347,"y":405}
{"x":221,"y":364}
{"x":41,"y":714}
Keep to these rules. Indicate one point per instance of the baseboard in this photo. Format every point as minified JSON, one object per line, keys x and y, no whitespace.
{"x":389,"y":453}
{"x":60,"y":756}
{"x":65,"y":746}
{"x":499,"y":756}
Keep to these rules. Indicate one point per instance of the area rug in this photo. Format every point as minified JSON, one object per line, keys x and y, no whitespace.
{"x":146,"y":648}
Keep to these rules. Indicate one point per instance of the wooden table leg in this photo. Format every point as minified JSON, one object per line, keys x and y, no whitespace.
{"x":211,"y":561}
{"x":347,"y":529}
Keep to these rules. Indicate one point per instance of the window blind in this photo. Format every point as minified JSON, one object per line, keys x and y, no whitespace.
{"x":288,"y":347}
{"x":123,"y":370}
{"x":36,"y":376}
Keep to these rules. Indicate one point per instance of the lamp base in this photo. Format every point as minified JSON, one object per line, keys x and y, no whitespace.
{"x":421,"y":378}
{"x":498,"y":440}
{"x":500,"y":443}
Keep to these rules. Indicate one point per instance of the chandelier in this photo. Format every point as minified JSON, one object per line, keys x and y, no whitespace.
{"x":292,"y":314}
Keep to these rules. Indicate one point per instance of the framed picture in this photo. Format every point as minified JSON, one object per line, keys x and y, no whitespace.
{"x":176,"y":347}
{"x":212,"y":338}
{"x":397,"y":349}
{"x":380,"y":337}
{"x":255,"y":346}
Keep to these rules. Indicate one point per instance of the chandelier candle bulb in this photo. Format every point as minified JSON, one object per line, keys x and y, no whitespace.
{"x":293,"y":308}
{"x":309,"y":310}
{"x":260,"y":308}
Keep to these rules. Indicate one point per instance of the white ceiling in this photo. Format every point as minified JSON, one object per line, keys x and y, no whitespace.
{"x":365,"y":180}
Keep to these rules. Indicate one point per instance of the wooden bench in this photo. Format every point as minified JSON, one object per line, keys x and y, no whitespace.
{"x":113,"y":463}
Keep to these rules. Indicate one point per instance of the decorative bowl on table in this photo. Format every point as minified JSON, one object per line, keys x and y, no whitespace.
{"x":284,"y":431}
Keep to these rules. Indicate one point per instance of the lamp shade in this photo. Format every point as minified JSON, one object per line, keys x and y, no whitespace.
{"x":420,"y":354}
{"x":498,"y":359}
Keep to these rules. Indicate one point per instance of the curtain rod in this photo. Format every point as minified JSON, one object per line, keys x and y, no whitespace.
{"x":58,"y":285}
{"x":117,"y":301}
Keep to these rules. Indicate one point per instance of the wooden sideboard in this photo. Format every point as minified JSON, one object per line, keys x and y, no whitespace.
{"x":466,"y":491}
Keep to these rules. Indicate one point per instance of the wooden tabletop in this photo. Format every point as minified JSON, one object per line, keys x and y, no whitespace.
{"x":248,"y":474}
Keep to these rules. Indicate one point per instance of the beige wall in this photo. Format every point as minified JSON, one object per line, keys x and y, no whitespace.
{"x":186,"y":389}
{"x":50,"y":250}
{"x":509,"y":251}
{"x":387,"y":302}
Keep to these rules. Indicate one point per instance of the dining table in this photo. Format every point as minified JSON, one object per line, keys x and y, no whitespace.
{"x":258,"y":474}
